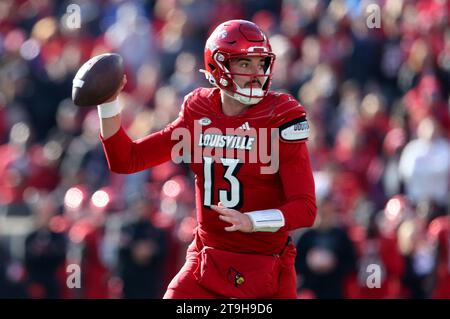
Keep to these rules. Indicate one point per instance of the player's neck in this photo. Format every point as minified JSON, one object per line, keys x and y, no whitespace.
{"x":231,"y":107}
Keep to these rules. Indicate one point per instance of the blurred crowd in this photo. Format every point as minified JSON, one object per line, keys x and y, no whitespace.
{"x":378,"y":102}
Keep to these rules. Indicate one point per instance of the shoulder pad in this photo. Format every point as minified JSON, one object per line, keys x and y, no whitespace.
{"x":202,"y":93}
{"x":199,"y":101}
{"x":285,"y":109}
{"x":295,"y":130}
{"x":184,"y":105}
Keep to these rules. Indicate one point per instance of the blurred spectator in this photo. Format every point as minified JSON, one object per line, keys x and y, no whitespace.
{"x":325,"y":255}
{"x":14,"y":163}
{"x":84,"y":161}
{"x":132,"y":36}
{"x":45,"y":251}
{"x":68,"y":124}
{"x":142,"y":253}
{"x":425,"y":165}
{"x":394,"y":141}
{"x":419,"y":253}
{"x":374,"y":248}
{"x":12,"y":276}
{"x":94,"y":265}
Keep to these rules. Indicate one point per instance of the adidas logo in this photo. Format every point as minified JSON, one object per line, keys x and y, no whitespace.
{"x":245,"y":126}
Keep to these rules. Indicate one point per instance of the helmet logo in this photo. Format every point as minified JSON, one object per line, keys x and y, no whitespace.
{"x":212,"y":45}
{"x":224,"y":82}
{"x":223,"y":34}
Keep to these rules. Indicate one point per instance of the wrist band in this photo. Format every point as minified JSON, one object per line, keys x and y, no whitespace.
{"x":269,"y":220}
{"x":109,"y":109}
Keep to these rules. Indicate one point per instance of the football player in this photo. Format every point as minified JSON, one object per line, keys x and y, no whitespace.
{"x":242,"y":247}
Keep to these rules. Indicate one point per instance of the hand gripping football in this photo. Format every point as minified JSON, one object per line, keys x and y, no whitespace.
{"x":97,"y":79}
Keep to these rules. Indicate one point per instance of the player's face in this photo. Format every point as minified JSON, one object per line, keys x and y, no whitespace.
{"x":248,"y":65}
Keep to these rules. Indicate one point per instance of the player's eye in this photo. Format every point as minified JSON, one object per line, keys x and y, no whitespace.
{"x":244,"y":64}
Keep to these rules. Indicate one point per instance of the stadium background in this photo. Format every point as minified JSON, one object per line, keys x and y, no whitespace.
{"x":378,"y":105}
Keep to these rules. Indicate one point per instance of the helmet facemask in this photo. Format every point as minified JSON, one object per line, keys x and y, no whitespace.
{"x":249,"y":95}
{"x":226,"y":82}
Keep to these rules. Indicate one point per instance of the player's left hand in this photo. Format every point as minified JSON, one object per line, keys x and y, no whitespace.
{"x":238,"y":220}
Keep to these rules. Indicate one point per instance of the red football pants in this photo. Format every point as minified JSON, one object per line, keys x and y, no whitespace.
{"x":185,"y":286}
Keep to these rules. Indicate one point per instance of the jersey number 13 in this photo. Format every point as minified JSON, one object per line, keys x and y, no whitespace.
{"x":230,"y":198}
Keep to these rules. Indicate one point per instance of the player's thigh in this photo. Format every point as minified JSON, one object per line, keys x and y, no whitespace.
{"x":185,"y":286}
{"x":288,"y":276}
{"x":287,"y":284}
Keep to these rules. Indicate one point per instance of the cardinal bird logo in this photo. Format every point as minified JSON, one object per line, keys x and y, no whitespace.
{"x":235,"y":277}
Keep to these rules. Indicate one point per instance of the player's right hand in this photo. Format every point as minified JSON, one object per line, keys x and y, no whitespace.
{"x":115,"y":95}
{"x":239,"y":221}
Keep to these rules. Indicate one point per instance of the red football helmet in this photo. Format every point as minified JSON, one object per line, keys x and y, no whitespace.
{"x":233,"y":39}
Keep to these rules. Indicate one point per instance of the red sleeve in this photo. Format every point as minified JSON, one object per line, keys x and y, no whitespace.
{"x":126,"y":156}
{"x":298,"y":185}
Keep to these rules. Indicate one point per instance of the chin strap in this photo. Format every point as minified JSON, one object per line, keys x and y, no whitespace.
{"x":235,"y":95}
{"x":248,"y":100}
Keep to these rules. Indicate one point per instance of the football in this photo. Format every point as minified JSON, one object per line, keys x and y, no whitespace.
{"x":97,"y":79}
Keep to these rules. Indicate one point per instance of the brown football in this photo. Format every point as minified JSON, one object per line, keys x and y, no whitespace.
{"x":97,"y":79}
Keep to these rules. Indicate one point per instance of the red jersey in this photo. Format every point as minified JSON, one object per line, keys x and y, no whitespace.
{"x":224,"y":152}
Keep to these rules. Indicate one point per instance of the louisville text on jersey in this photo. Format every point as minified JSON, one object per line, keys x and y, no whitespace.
{"x":227,"y":141}
{"x":250,"y":146}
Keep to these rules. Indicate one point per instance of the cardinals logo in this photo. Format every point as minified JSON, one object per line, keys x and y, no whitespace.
{"x":235,"y":277}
